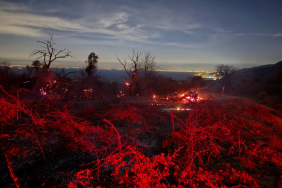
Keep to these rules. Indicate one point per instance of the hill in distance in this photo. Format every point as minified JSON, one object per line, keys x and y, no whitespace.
{"x":262,"y":84}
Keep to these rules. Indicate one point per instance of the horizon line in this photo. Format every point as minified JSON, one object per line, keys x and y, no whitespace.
{"x":71,"y":67}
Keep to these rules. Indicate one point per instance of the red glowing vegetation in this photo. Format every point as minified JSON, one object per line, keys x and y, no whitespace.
{"x":219,"y":144}
{"x":9,"y":163}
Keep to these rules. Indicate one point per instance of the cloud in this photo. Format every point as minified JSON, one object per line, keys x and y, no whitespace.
{"x":185,"y":45}
{"x":6,"y":6}
{"x":23,"y":31}
{"x":164,"y":19}
{"x":116,"y":19}
{"x":149,"y":26}
{"x":189,"y":32}
{"x":14,"y":21}
{"x":259,"y":34}
{"x":122,"y":26}
{"x":29,"y":20}
{"x":222,"y":30}
{"x":278,"y":35}
{"x":31,"y":25}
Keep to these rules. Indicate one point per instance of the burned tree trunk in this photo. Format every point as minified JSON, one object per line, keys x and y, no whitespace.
{"x":132,"y":69}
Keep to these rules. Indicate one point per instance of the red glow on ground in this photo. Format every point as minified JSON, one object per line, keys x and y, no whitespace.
{"x":228,"y":144}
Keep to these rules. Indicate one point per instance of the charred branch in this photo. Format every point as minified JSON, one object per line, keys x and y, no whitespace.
{"x":50,"y":52}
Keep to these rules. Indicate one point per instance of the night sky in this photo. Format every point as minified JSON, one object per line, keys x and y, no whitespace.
{"x":183,"y":35}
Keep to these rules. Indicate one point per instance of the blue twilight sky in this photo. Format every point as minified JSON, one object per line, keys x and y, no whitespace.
{"x":182,"y":34}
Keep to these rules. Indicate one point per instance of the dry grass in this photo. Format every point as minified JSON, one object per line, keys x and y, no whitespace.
{"x":231,"y":143}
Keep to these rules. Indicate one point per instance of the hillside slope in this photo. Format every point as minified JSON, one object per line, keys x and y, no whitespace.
{"x":262,"y":83}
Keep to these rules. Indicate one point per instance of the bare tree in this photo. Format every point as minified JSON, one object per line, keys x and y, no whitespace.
{"x":224,"y":70}
{"x":49,"y":53}
{"x":133,"y":68}
{"x":148,"y":67}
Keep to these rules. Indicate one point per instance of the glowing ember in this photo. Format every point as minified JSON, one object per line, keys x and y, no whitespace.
{"x":175,"y":109}
{"x":42,"y":92}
